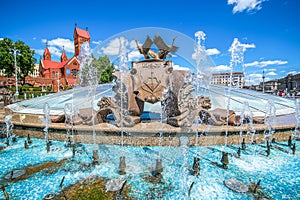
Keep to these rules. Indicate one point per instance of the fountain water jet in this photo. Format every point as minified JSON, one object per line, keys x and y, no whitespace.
{"x":270,"y":117}
{"x":47,"y":121}
{"x":9,"y":128}
{"x":247,"y":119}
{"x":296,"y":133}
{"x":69,"y":122}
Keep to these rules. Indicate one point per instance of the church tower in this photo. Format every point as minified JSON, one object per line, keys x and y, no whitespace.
{"x":47,"y":54}
{"x":80,"y":36}
{"x":63,"y":56}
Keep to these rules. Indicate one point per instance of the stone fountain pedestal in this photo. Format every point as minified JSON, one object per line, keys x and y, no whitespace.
{"x":236,"y":185}
{"x":15,"y":174}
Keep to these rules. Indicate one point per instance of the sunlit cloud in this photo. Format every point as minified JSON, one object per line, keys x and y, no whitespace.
{"x":212,"y":51}
{"x":220,"y":68}
{"x":113,"y":47}
{"x":245,"y":5}
{"x":254,"y":79}
{"x":97,"y":42}
{"x":248,"y":46}
{"x":54,"y":51}
{"x":292,"y":73}
{"x":67,"y":44}
{"x":265,"y":63}
{"x":178,"y":67}
{"x":39,"y":51}
{"x":271,"y":74}
{"x":134,"y":55}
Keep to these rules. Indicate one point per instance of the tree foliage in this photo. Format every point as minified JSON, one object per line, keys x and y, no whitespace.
{"x":24,"y":58}
{"x":104,"y":69}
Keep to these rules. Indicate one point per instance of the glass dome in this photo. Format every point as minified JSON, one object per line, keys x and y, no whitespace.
{"x":183,"y":58}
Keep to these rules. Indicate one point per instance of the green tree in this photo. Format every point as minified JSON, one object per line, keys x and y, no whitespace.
{"x":24,"y":60}
{"x":104,"y":69}
{"x":106,"y":76}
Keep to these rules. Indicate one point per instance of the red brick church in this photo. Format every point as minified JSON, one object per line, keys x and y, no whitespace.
{"x":65,"y":72}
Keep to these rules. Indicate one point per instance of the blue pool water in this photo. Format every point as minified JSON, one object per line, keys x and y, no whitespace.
{"x":279,"y":173}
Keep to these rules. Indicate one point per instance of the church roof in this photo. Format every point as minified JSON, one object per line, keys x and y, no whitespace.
{"x":47,"y":64}
{"x":82,"y":33}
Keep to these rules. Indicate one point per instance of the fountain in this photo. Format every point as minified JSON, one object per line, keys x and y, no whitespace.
{"x":151,"y":117}
{"x":9,"y":130}
{"x":69,"y":121}
{"x":296,"y":133}
{"x":46,"y":120}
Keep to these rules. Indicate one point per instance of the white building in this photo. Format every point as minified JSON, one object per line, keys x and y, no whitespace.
{"x":224,"y":79}
{"x":35,"y":73}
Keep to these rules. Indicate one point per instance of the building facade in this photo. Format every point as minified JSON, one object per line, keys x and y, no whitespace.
{"x":224,"y":79}
{"x":55,"y":74}
{"x":64,"y":72}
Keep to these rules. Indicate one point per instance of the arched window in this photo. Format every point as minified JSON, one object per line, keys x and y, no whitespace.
{"x":53,"y":74}
{"x":68,"y":72}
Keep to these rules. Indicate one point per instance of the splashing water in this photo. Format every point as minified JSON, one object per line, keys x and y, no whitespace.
{"x":88,"y":77}
{"x":201,"y":80}
{"x":270,"y":117}
{"x":69,"y":121}
{"x":296,"y":133}
{"x":9,"y":127}
{"x":46,"y":120}
{"x":184,"y":170}
{"x":123,"y":67}
{"x":247,"y":115}
{"x":237,"y":57}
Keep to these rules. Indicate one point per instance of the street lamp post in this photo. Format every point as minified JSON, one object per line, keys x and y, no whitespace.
{"x":16,"y":72}
{"x":263,"y":77}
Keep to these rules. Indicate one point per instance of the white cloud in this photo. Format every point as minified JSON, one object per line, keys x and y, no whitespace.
{"x":265,"y":63}
{"x":113,"y":47}
{"x":97,"y":42}
{"x":271,"y":74}
{"x":254,"y":79}
{"x":212,"y":51}
{"x":34,"y":38}
{"x":39,"y":51}
{"x":220,"y":68}
{"x":132,"y":44}
{"x":60,"y":43}
{"x":177,"y":67}
{"x":134,"y":55}
{"x":44,"y":40}
{"x":1,"y":38}
{"x":255,"y":76}
{"x":54,"y":51}
{"x":248,"y":46}
{"x":292,"y":72}
{"x":242,"y":5}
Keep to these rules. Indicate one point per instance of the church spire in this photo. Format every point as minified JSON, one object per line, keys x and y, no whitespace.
{"x":63,"y":56}
{"x":47,"y":54}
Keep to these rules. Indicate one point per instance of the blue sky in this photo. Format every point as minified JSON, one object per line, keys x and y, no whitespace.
{"x":270,"y":27}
